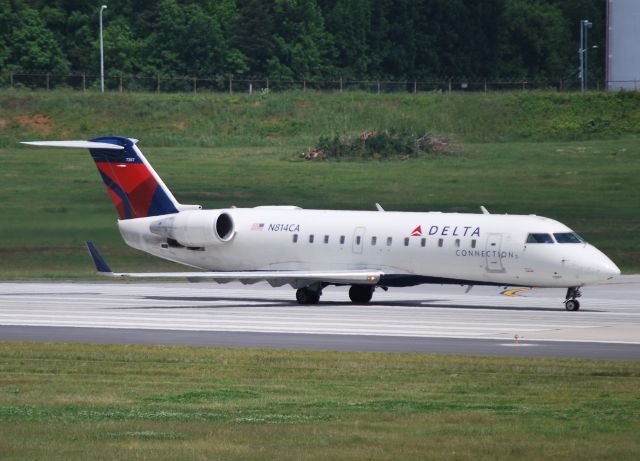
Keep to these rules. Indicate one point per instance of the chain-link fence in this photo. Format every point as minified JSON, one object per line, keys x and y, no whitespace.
{"x":179,"y":84}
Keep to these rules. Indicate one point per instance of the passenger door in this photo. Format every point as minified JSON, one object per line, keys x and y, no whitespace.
{"x":494,"y":261}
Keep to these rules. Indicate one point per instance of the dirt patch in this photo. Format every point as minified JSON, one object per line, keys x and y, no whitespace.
{"x":38,"y":123}
{"x":443,"y":146}
{"x":3,"y":123}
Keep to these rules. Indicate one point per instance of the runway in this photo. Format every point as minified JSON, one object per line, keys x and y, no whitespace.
{"x":424,"y":319}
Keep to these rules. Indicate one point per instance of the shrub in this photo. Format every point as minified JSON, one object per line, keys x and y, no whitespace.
{"x":378,"y":145}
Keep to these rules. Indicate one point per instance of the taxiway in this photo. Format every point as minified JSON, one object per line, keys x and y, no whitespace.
{"x":426,"y":319}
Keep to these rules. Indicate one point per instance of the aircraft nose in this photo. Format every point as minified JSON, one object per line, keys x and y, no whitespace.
{"x":602,"y":267}
{"x":608,"y":269}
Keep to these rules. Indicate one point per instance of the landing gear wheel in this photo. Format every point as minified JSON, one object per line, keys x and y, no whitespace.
{"x":361,"y":294}
{"x":571,"y":305}
{"x":307,"y":296}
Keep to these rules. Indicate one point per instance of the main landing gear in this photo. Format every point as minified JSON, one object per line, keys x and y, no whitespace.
{"x":308,"y":295}
{"x":359,"y":294}
{"x":571,"y":303}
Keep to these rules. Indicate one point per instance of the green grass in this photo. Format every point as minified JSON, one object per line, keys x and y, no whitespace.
{"x":300,"y":118}
{"x":56,"y":200}
{"x":572,"y":157}
{"x":142,"y":402}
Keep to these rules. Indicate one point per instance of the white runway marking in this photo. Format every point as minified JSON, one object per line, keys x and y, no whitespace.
{"x":609,"y":313}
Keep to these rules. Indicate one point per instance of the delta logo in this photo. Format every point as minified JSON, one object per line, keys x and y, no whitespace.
{"x":455,"y":231}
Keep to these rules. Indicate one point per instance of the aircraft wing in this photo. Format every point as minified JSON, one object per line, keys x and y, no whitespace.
{"x":297,"y":279}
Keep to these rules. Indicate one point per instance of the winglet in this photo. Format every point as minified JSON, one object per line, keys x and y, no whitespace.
{"x":101,"y":265}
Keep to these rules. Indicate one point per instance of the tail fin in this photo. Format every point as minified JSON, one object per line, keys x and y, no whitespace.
{"x":135,"y":188}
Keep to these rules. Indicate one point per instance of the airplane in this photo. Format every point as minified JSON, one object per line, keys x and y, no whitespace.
{"x":311,"y":249}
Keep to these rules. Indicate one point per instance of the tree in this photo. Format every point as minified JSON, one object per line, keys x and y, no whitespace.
{"x":33,"y":46}
{"x":311,"y":39}
{"x":302,"y":46}
{"x":377,"y":38}
{"x":399,"y":60}
{"x":532,"y":37}
{"x":187,"y":41}
{"x":5,"y":26}
{"x":121,"y":48}
{"x":253,"y":35}
{"x":349,"y":22}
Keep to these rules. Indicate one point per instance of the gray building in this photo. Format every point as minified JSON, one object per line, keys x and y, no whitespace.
{"x":623,"y":44}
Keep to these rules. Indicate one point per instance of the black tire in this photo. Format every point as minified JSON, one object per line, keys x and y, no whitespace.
{"x":572,"y":305}
{"x":306,"y":296}
{"x":360,"y":294}
{"x":313,"y":297}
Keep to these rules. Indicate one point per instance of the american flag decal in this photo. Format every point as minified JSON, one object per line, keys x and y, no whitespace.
{"x":257,"y":226}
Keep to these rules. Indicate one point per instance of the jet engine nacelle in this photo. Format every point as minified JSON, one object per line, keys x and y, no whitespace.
{"x":195,"y":228}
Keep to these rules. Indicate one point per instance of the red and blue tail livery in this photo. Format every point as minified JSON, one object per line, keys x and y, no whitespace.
{"x":135,"y":188}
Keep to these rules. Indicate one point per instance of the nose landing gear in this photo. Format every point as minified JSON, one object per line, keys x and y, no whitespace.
{"x":571,"y":304}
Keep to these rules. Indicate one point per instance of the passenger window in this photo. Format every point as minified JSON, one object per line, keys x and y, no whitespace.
{"x":358,"y":240}
{"x":568,"y":237}
{"x":389,"y":241}
{"x":473,"y":243}
{"x":373,"y":241}
{"x":406,"y":241}
{"x":326,"y":239}
{"x":440,"y":242}
{"x":423,"y":242}
{"x":311,"y":238}
{"x":457,"y":243}
{"x":295,"y":238}
{"x":539,"y":238}
{"x":342,"y":240}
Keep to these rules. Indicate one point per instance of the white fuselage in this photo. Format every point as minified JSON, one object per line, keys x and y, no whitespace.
{"x":410,"y":248}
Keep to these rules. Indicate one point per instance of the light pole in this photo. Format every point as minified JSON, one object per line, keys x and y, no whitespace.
{"x":102,"y":8}
{"x":582,"y":51}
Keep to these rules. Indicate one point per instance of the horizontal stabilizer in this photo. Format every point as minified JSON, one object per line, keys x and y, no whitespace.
{"x":75,"y":144}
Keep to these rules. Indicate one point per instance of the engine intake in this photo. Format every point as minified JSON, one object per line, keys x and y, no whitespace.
{"x":194,"y":228}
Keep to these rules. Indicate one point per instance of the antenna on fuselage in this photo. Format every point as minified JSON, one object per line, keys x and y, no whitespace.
{"x":484,"y":210}
{"x":379,"y":207}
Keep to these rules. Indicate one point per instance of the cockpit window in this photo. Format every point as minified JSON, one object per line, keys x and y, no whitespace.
{"x":539,"y":238}
{"x":568,"y":237}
